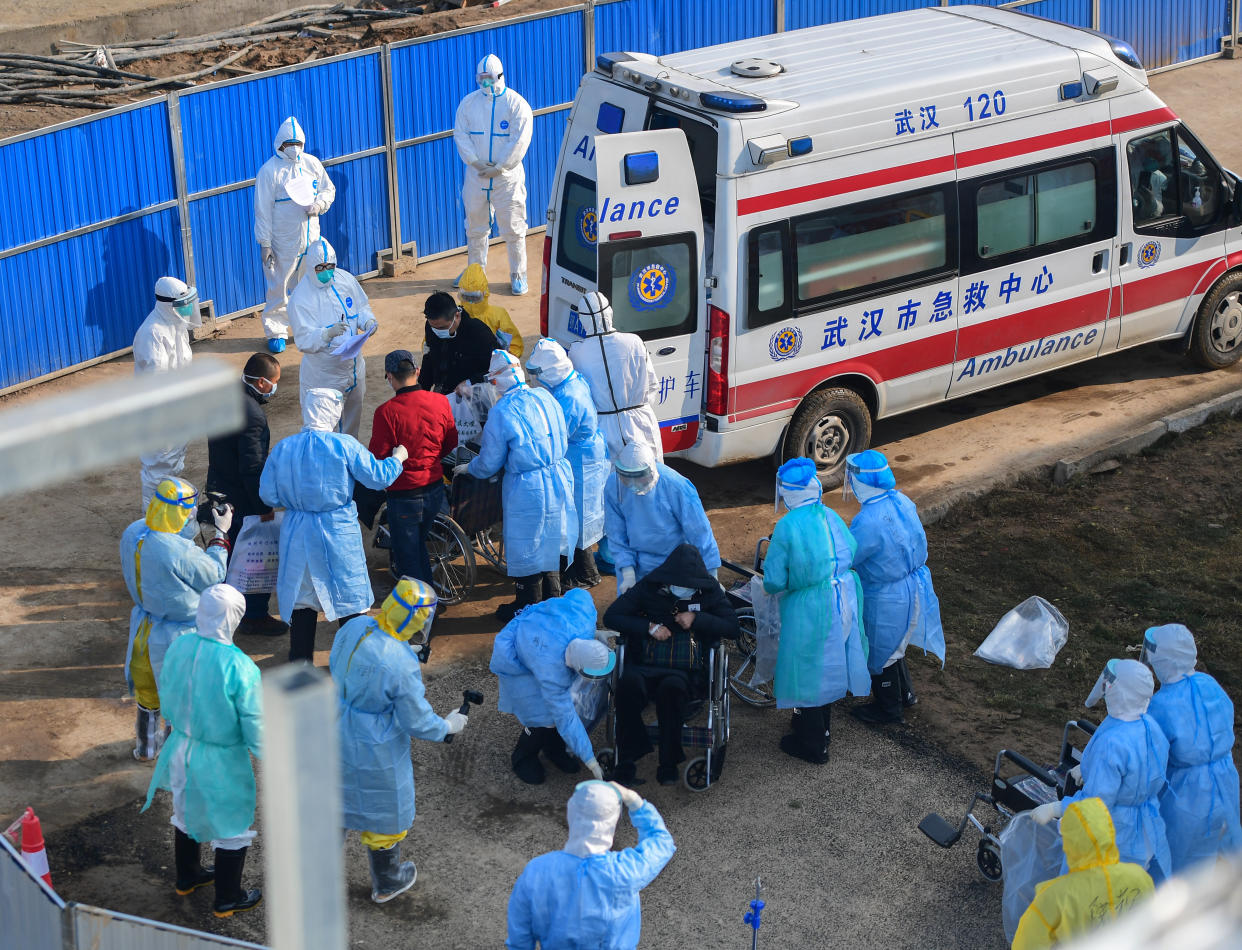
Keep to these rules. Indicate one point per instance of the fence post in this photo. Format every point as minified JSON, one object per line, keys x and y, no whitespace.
{"x":390,"y":144}
{"x":1231,"y":48}
{"x":780,"y":16}
{"x":588,"y":35}
{"x":1095,"y":15}
{"x":183,"y":192}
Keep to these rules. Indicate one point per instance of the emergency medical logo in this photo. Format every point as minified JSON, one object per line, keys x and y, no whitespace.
{"x":504,"y":124}
{"x":588,"y":227}
{"x":785,"y":343}
{"x":651,"y":285}
{"x":349,"y":301}
{"x":1149,"y":253}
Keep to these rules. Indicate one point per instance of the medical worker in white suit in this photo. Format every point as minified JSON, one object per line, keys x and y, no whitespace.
{"x":284,"y":228}
{"x":492,"y":133}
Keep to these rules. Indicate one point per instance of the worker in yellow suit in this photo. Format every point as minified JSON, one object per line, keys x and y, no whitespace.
{"x":1098,"y":887}
{"x":474,"y":300}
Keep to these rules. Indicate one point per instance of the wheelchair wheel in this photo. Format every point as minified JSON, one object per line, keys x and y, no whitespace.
{"x":989,"y":861}
{"x":490,"y":545}
{"x":452,"y":560}
{"x":742,"y":664}
{"x":696,"y":774}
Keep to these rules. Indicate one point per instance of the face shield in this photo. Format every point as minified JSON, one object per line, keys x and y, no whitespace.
{"x":1103,"y":684}
{"x":862,"y":469}
{"x":639,"y":482}
{"x":590,"y":658}
{"x":408,"y":614}
{"x":173,"y":508}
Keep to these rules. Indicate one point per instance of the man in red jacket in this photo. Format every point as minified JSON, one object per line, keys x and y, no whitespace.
{"x":423,"y":422}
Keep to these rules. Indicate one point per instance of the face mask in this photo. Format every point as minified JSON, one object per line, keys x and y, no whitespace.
{"x":190,"y":528}
{"x":261,"y":396}
{"x":292,"y":152}
{"x":445,"y":334}
{"x":682,"y":593}
{"x":325,"y":276}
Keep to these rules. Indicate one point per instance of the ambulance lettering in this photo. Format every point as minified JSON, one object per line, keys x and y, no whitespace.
{"x":585,"y":148}
{"x":613,"y":211}
{"x":1044,"y":346}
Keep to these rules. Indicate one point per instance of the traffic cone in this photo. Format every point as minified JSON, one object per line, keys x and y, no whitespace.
{"x":33,"y":852}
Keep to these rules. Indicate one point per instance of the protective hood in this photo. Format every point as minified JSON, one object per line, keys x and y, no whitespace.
{"x":797,"y":484}
{"x":490,"y":75}
{"x":290,"y":131}
{"x":635,"y":459}
{"x":171,"y":506}
{"x":1126,"y":687}
{"x":505,"y":370}
{"x":549,"y":363}
{"x":406,"y":610}
{"x":867,"y":476}
{"x":321,"y":252}
{"x":1171,"y":651}
{"x":321,"y":409}
{"x":220,"y":610}
{"x":683,"y":568}
{"x":595,"y":313}
{"x":474,"y":290}
{"x":1087,"y":835}
{"x":592,"y":811}
{"x":171,"y":293}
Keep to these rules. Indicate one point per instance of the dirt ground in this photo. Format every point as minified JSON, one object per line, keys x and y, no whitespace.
{"x":270,"y":54}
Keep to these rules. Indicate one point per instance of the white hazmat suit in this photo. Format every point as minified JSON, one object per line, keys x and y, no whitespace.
{"x":623,"y":382}
{"x":492,"y":133}
{"x":162,"y":344}
{"x":284,"y":228}
{"x":320,"y":313}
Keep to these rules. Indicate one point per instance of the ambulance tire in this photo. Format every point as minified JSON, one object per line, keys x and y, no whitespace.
{"x":1216,"y":340}
{"x":828,"y":426}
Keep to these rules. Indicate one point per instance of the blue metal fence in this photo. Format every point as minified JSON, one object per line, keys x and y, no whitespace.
{"x":106,"y":205}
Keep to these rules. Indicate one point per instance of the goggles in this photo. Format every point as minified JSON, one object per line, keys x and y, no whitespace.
{"x":422,"y":638}
{"x":473,"y":296}
{"x":325,"y":266}
{"x":189,"y":501}
{"x":291,"y":142}
{"x":582,"y":786}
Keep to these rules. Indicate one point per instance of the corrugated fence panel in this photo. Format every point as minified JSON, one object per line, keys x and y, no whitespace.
{"x":1164,"y":32}
{"x":78,"y":299}
{"x":98,"y":929}
{"x":1071,"y":12}
{"x":29,"y":915}
{"x":85,"y":174}
{"x":429,"y":176}
{"x":228,"y":130}
{"x":803,"y":13}
{"x":429,"y":79}
{"x":667,"y":26}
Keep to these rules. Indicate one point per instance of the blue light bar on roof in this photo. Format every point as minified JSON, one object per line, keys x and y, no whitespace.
{"x":732,"y":102}
{"x":605,"y":62}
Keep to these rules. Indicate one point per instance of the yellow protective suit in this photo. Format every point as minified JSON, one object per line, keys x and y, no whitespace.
{"x":474,"y":296}
{"x":1098,"y":887}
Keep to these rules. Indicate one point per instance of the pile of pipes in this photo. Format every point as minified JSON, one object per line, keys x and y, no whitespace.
{"x":85,"y":75}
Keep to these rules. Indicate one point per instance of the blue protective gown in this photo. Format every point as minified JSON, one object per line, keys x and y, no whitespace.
{"x":211,"y":694}
{"x":1200,"y":804}
{"x":528,"y":656}
{"x":642,"y":530}
{"x":175,"y":571}
{"x":322,"y":561}
{"x":587,"y":454}
{"x":382,"y":703}
{"x":566,"y":903}
{"x":1124,"y":765}
{"x":899,"y":604}
{"x":823,"y":651}
{"x":525,"y":435}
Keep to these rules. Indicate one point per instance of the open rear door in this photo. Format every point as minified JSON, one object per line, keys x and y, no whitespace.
{"x":650,"y":264}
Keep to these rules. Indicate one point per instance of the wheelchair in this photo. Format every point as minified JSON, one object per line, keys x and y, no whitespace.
{"x":712,"y":736}
{"x":743,"y":657}
{"x":1018,"y":785}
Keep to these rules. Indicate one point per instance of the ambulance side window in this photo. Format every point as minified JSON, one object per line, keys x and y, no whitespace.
{"x":1038,"y":209}
{"x":1164,"y":187}
{"x":768,"y":274}
{"x":579,"y":227}
{"x":651,"y":284}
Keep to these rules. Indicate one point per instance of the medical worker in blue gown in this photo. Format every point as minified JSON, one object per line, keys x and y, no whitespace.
{"x":537,"y":656}
{"x":165,"y":571}
{"x":588,"y":457}
{"x":900,"y":607}
{"x":649,"y":510}
{"x":1200,"y":804}
{"x":214,"y":702}
{"x":586,"y":894}
{"x":525,"y":435}
{"x":311,"y":474}
{"x":1124,"y":764}
{"x":823,"y":651}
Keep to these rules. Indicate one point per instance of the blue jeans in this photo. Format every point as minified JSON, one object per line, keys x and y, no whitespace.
{"x":409,"y":520}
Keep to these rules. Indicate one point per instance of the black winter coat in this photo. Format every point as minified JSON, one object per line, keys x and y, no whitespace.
{"x":466,"y":355}
{"x":235,"y":461}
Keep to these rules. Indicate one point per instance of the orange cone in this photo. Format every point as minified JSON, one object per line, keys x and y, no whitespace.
{"x":33,"y":852}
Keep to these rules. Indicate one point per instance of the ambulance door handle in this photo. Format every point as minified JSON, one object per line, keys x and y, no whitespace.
{"x":1124,"y":258}
{"x":1097,"y":262}
{"x":666,"y":351}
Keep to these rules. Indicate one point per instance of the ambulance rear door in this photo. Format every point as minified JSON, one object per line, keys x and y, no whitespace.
{"x":650,"y":265}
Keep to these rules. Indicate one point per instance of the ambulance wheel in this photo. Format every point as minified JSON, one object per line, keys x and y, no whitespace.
{"x":989,"y":861}
{"x":828,"y":426}
{"x":1216,"y":340}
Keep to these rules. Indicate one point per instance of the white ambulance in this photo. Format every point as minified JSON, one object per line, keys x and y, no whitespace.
{"x":824,"y":227}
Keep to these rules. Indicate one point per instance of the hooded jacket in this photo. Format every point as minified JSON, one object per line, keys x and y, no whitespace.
{"x":279,"y":222}
{"x":1098,"y":887}
{"x":474,"y":280}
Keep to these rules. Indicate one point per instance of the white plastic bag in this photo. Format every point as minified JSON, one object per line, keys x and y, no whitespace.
{"x":256,"y":555}
{"x":767,"y":631}
{"x":469,"y":428}
{"x":590,"y":698}
{"x":1027,"y":638}
{"x":1030,"y":854}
